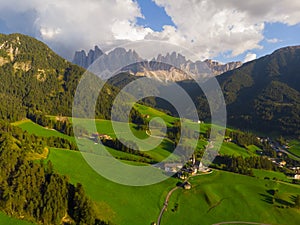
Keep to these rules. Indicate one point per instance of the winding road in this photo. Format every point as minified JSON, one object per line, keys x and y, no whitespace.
{"x":165,"y":204}
{"x":171,"y":192}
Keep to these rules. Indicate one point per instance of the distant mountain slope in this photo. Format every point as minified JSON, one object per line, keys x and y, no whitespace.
{"x":265,"y":94}
{"x":261,"y":95}
{"x":179,"y":66}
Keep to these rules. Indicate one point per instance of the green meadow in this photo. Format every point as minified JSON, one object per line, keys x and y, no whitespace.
{"x":265,"y":174}
{"x":121,"y":204}
{"x":295,"y":147}
{"x":6,"y":220}
{"x":224,"y":197}
{"x":233,"y":149}
{"x":34,"y":128}
{"x":218,"y":197}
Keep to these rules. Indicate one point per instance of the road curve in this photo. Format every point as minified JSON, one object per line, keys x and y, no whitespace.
{"x":171,"y":192}
{"x":165,"y":204}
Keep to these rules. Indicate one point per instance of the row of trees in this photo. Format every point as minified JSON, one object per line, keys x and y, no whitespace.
{"x":125,"y":146}
{"x":243,"y":165}
{"x":33,"y":143}
{"x":62,"y":125}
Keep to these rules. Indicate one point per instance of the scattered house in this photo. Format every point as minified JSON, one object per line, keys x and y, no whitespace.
{"x":297,"y":177}
{"x":228,"y":139}
{"x":187,"y":185}
{"x":282,"y":163}
{"x":147,"y":116}
{"x":97,"y":136}
{"x":262,"y":139}
{"x":193,"y":159}
{"x":198,"y":165}
{"x":173,"y":167}
{"x":182,"y":176}
{"x":105,"y":136}
{"x":194,"y":171}
{"x":61,"y":118}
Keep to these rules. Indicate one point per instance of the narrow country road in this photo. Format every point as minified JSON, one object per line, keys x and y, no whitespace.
{"x":166,"y":204}
{"x":289,"y":153}
{"x":171,"y":192}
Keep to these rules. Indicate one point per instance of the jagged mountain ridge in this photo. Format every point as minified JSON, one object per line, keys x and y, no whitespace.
{"x":181,"y":69}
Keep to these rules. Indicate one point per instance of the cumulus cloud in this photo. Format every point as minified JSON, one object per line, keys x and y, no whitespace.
{"x":208,"y":28}
{"x":211,"y":27}
{"x":249,"y":57}
{"x":69,"y":25}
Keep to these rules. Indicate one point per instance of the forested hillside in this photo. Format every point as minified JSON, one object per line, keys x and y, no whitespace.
{"x":35,"y":79}
{"x":264,"y":94}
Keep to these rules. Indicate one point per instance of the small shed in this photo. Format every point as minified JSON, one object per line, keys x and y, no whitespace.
{"x":187,"y":185}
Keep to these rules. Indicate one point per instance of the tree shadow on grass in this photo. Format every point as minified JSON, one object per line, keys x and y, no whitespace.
{"x":271,"y":198}
{"x":267,"y":198}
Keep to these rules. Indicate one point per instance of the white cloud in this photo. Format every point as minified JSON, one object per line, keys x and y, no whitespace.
{"x":249,"y":57}
{"x":69,"y":25}
{"x":207,"y":27}
{"x":49,"y":33}
{"x":235,"y":26}
{"x":273,"y":40}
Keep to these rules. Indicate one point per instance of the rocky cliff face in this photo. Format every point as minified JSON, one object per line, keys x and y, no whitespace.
{"x":178,"y":69}
{"x":85,"y":60}
{"x":219,"y":68}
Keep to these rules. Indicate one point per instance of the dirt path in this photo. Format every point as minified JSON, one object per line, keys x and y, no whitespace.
{"x":165,"y":204}
{"x":171,"y":192}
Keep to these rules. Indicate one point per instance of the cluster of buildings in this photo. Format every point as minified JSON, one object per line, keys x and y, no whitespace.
{"x":189,"y":169}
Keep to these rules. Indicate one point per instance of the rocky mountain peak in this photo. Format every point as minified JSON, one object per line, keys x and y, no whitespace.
{"x":123,"y":60}
{"x":219,"y":68}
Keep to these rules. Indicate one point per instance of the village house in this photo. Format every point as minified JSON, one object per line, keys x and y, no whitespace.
{"x":173,"y":167}
{"x":228,"y":139}
{"x":297,"y":177}
{"x":97,"y":136}
{"x":187,"y":186}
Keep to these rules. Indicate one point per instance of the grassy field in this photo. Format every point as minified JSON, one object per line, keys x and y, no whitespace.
{"x":233,"y":149}
{"x":213,"y":198}
{"x":6,"y":220}
{"x":105,"y":127}
{"x":224,"y":197}
{"x":271,"y":174}
{"x":122,"y":204}
{"x":34,"y":128}
{"x":295,"y":147}
{"x":151,"y":112}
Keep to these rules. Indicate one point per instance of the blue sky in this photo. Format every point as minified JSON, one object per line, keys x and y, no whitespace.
{"x":276,"y":35}
{"x":155,"y":17}
{"x":227,"y":30}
